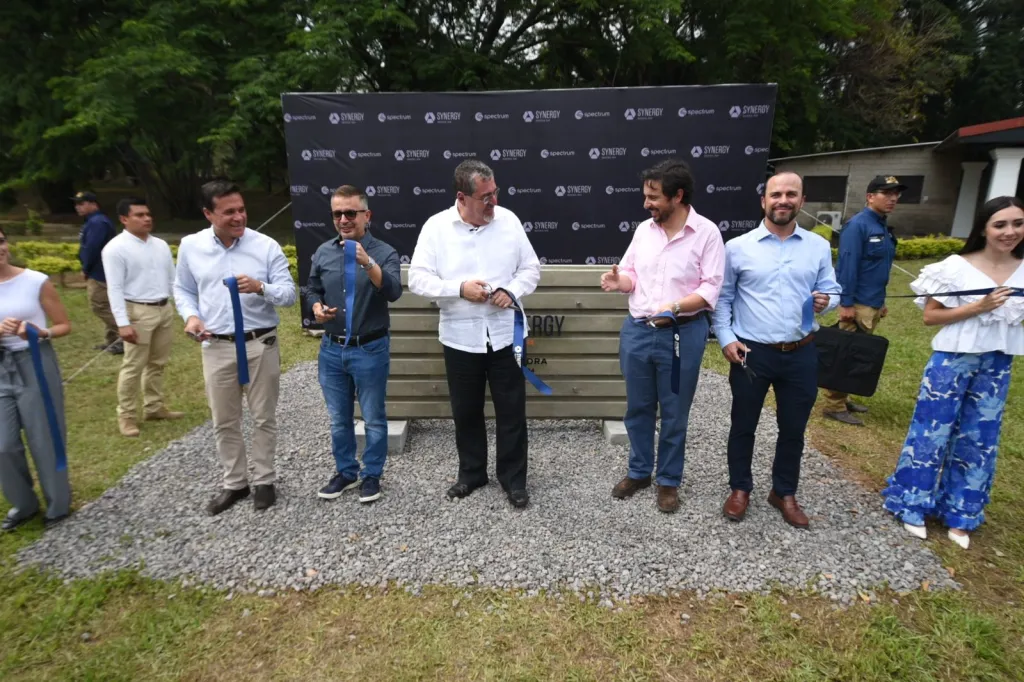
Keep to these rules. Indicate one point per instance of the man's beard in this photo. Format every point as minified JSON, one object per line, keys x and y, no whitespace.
{"x":775,"y":220}
{"x":663,"y":214}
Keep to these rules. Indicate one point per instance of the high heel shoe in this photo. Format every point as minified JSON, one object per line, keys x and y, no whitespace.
{"x":916,"y":531}
{"x":963,"y":540}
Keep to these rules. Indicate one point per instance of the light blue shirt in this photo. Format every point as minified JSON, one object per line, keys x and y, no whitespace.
{"x":203,"y":265}
{"x":767,"y":280}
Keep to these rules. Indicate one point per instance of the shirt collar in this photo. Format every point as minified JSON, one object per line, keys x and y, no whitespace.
{"x":878,"y":217}
{"x":132,"y":236}
{"x":218,"y":242}
{"x":691,"y":223}
{"x":457,"y":220}
{"x":761,"y":231}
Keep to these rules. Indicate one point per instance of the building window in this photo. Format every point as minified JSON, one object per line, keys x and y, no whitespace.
{"x":825,"y":189}
{"x":915,"y":185}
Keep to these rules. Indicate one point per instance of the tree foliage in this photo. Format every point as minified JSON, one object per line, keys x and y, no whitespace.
{"x":172,"y":92}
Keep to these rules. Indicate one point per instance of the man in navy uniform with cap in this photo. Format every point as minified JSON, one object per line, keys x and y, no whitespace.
{"x":96,"y":231}
{"x":867,"y":249}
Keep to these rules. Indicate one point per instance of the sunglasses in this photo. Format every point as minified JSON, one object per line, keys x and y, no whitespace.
{"x":350,"y":214}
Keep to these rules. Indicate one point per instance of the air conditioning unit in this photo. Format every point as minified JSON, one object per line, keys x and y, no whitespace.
{"x":833,"y":219}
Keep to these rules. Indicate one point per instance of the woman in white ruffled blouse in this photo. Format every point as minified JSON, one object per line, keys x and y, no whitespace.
{"x":949,"y":457}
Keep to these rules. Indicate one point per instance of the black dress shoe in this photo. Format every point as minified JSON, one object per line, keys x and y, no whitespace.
{"x":519,"y":498}
{"x":50,"y":523}
{"x":226,"y":499}
{"x":461,"y":490}
{"x":10,"y":524}
{"x":265,"y":497}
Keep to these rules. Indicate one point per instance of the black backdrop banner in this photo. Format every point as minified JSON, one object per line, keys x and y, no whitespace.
{"x":568,"y":162}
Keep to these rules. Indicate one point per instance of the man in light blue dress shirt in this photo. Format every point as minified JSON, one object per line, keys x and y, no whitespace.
{"x":769,"y":274}
{"x":228,"y":248}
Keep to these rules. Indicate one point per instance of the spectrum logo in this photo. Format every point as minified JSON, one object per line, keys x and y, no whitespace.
{"x":512,"y":191}
{"x":428,"y":190}
{"x":684,"y":112}
{"x":449,"y":154}
{"x":581,"y":115}
{"x":387,"y":118}
{"x":621,"y":190}
{"x":353,"y":154}
{"x":481,"y":116}
{"x":295,"y":118}
{"x":588,"y":226}
{"x":723,"y":188}
{"x":388,"y":225}
{"x":749,"y":149}
{"x":647,"y":151}
{"x":556,"y":153}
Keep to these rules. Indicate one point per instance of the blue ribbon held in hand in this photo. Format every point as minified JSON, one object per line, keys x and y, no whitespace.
{"x":519,"y":345}
{"x":44,"y":388}
{"x":350,"y":285}
{"x":675,"y":344}
{"x":807,"y":320}
{"x":240,"y":355}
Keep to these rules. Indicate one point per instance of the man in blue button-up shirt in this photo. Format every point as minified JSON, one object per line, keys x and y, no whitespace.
{"x":359,"y":364}
{"x":867,"y":249}
{"x":230,"y":249}
{"x":96,"y":231}
{"x":770,"y":273}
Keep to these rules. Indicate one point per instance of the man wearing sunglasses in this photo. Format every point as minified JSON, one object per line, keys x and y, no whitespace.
{"x":466,"y":258}
{"x":360,"y":364}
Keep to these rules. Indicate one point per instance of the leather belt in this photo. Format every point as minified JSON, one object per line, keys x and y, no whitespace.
{"x":358,"y":340}
{"x":791,"y":345}
{"x":248,"y":336}
{"x":161,"y":303}
{"x":662,"y":322}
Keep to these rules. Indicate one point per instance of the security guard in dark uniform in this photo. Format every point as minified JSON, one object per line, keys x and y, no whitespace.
{"x":867,"y":248}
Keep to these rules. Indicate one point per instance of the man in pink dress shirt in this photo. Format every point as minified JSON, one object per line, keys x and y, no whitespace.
{"x":674,"y":264}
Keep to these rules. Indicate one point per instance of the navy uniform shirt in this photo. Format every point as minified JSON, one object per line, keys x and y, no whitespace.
{"x":96,"y":231}
{"x":326,"y":284}
{"x":866,"y":252}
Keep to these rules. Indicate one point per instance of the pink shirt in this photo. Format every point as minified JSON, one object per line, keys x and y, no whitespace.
{"x":663,"y":270}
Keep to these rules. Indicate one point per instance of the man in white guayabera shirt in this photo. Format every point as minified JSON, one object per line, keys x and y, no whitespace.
{"x":464,"y":257}
{"x":140,"y":279}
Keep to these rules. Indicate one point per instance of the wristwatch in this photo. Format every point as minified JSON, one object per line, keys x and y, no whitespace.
{"x":369,"y":263}
{"x":676,"y":308}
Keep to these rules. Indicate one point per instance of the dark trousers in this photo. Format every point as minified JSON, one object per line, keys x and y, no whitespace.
{"x":794,"y":376}
{"x":468,"y":376}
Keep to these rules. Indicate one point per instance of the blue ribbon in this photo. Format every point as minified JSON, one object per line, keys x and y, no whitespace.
{"x":675,"y":344}
{"x":240,"y":354}
{"x":350,"y":285}
{"x":519,"y":345}
{"x":807,"y":318}
{"x":44,"y":388}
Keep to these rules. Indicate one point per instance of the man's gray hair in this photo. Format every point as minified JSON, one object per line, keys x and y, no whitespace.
{"x":466,"y":174}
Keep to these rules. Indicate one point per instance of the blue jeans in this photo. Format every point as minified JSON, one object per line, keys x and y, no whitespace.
{"x":645,"y":358}
{"x":345,"y":372}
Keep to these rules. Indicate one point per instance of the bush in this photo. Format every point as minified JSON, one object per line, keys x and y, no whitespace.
{"x":289,"y":250}
{"x":34,"y":224}
{"x":53,"y":265}
{"x":917,"y":248}
{"x":293,"y":266}
{"x":27,"y":250}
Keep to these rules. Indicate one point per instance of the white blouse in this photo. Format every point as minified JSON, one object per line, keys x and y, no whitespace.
{"x":997,"y":330}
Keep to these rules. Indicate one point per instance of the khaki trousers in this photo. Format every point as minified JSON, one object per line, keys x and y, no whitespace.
{"x":100,"y":305}
{"x":866,"y":319}
{"x":220,"y":370}
{"x":145,"y":360}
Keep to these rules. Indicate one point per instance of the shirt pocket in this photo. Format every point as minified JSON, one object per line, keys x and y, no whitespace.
{"x":875,"y":249}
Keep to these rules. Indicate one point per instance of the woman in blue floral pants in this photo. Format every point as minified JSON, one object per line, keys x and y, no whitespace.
{"x":948,"y":461}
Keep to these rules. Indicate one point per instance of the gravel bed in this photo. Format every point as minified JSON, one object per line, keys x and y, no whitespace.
{"x":574,"y":538}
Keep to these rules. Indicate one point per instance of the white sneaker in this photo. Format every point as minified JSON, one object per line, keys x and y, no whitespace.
{"x":963,"y":540}
{"x":916,"y":531}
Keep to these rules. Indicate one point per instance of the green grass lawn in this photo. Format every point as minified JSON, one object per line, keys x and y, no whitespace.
{"x":124,"y":627}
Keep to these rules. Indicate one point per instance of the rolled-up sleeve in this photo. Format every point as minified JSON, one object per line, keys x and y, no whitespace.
{"x":391,"y":278}
{"x":280,"y":290}
{"x":712,"y":268}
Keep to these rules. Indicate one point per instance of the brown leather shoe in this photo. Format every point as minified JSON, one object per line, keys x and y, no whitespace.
{"x":791,"y":511}
{"x":128,"y":427}
{"x":164,"y":413}
{"x":736,"y":505}
{"x":668,"y":498}
{"x":627,"y":487}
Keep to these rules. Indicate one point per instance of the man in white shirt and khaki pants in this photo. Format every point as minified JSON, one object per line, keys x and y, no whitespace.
{"x":140,"y":276}
{"x":466,"y":258}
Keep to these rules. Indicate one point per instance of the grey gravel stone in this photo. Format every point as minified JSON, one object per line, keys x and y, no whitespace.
{"x":574,"y":537}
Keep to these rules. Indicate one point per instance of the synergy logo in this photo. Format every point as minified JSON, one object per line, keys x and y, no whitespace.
{"x":607,"y":152}
{"x":723,"y":188}
{"x":299,"y":190}
{"x":382,"y":190}
{"x":412,"y":154}
{"x":405,"y":260}
{"x":621,"y":190}
{"x":749,"y":110}
{"x":512,"y":191}
{"x":498,"y":116}
{"x":556,"y":153}
{"x":296,"y":118}
{"x":684,"y":112}
{"x":317,"y":154}
{"x":647,"y":151}
{"x":535,"y":226}
{"x":541,"y":115}
{"x":442,"y":117}
{"x":572,"y":190}
{"x":609,"y":260}
{"x":353,"y":154}
{"x":345,"y":117}
{"x":760,"y":188}
{"x":507,"y":154}
{"x":710,"y":151}
{"x":428,"y":190}
{"x":449,"y":154}
{"x":588,"y":226}
{"x":629,"y":225}
{"x":643,"y":113}
{"x":581,"y":115}
{"x":388,"y":225}
{"x":727,"y":225}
